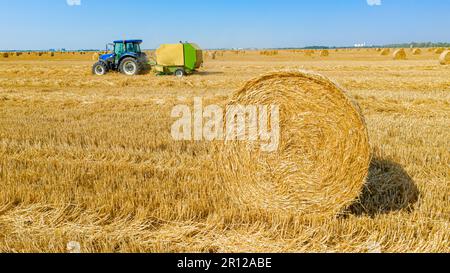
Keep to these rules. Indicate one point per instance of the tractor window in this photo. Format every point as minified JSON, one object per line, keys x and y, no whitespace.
{"x":119,"y":49}
{"x":133,"y":48}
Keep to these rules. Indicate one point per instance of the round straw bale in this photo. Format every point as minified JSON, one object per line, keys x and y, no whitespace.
{"x":399,"y":54}
{"x":324,"y":53}
{"x":309,"y":52}
{"x":385,"y":52}
{"x":323,"y":156}
{"x":5,"y":55}
{"x":444,"y":59}
{"x":417,"y":51}
{"x":95,"y":56}
{"x":439,"y":50}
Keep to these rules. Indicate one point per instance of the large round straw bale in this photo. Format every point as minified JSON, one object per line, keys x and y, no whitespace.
{"x":444,"y":59}
{"x":399,"y":54}
{"x":323,"y":156}
{"x":5,"y":55}
{"x":324,"y":53}
{"x":385,"y":52}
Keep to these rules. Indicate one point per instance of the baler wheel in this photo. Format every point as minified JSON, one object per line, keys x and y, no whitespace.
{"x":180,"y":73}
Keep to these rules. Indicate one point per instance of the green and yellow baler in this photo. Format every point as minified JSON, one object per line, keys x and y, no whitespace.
{"x":178,"y":59}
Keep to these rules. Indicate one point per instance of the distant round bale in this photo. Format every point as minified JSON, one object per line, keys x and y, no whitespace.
{"x":439,"y":50}
{"x":417,"y":51}
{"x":385,"y":52}
{"x":323,"y":156}
{"x":399,"y":54}
{"x":309,"y":53}
{"x":95,"y":56}
{"x":444,"y":59}
{"x":324,"y":53}
{"x":5,"y":55}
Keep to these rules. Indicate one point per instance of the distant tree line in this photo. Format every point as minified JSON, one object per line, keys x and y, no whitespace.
{"x":316,"y":47}
{"x":404,"y":45}
{"x":414,"y":44}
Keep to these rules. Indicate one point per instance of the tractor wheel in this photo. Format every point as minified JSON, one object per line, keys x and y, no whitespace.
{"x":99,"y":69}
{"x":180,"y":73}
{"x":130,"y":67}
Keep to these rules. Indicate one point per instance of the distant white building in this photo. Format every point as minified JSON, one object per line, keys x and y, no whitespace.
{"x":360,"y":45}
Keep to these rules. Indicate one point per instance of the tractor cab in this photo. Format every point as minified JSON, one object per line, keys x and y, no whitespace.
{"x":132,"y":47}
{"x":124,"y":56}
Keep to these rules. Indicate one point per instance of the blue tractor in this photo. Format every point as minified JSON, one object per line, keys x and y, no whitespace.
{"x":124,"y":56}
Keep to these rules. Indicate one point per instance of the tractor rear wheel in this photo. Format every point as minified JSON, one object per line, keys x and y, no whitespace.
{"x":99,"y":69}
{"x":130,"y":67}
{"x":180,"y":73}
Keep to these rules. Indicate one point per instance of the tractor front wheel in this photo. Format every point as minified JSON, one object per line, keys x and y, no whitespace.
{"x":130,"y":67}
{"x":99,"y":69}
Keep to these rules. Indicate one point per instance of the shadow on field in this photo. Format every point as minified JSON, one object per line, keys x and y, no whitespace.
{"x":389,"y":188}
{"x":208,"y":73}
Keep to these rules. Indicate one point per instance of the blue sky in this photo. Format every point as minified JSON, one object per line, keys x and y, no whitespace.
{"x":43,"y":24}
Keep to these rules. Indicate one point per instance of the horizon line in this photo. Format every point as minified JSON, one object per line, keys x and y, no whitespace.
{"x":393,"y":45}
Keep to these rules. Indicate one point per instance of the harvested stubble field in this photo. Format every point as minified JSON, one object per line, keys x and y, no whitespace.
{"x":90,"y":159}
